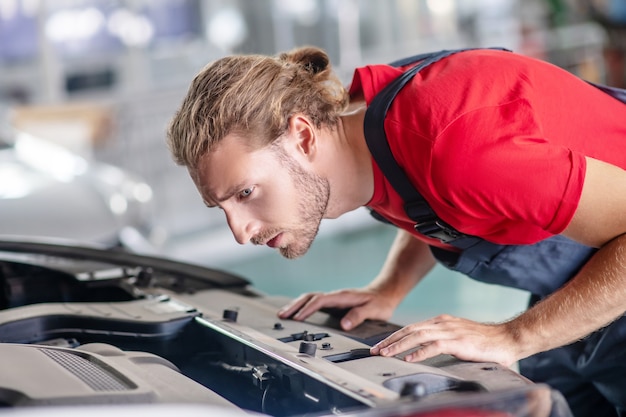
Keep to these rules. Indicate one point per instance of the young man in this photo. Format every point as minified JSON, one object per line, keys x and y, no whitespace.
{"x":502,"y":147}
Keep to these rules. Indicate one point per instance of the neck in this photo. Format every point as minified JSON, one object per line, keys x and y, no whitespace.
{"x":350,"y":167}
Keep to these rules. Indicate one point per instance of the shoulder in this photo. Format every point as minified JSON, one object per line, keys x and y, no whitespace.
{"x":367,"y":81}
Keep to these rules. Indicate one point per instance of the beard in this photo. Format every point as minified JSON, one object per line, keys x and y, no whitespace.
{"x":312,"y":208}
{"x":314,"y":194}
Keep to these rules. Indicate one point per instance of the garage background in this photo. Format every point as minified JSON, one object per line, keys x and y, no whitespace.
{"x":103,"y":78}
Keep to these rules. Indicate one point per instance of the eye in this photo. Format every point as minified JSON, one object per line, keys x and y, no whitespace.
{"x":245,"y":193}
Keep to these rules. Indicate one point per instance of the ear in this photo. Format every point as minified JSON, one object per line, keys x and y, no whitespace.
{"x":303,"y":134}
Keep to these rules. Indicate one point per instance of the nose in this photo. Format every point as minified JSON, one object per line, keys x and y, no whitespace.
{"x":241,"y":225}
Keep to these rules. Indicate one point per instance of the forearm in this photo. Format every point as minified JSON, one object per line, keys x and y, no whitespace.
{"x":590,"y":301}
{"x":408,"y":261}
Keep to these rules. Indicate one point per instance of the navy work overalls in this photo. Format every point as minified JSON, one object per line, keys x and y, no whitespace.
{"x":590,"y":373}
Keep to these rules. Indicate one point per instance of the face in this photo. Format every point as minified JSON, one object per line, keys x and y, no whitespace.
{"x":266,"y":194}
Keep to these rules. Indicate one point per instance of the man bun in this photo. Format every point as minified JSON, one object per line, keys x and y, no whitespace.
{"x":314,"y":60}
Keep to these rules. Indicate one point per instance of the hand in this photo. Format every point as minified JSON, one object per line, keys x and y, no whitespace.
{"x":363,"y":304}
{"x":464,"y":339}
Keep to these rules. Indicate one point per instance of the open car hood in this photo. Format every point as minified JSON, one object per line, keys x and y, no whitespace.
{"x":83,"y":326}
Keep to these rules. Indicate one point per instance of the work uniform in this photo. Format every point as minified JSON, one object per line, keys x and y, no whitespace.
{"x":496,"y":144}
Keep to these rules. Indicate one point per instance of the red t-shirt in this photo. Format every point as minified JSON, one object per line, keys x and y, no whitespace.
{"x":495,"y":142}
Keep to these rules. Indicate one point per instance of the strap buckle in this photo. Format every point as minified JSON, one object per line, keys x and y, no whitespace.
{"x":438,"y":230}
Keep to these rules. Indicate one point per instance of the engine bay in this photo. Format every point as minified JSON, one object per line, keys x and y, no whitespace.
{"x":84,"y":326}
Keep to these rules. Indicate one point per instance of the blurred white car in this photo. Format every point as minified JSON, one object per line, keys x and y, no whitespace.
{"x":48,"y":191}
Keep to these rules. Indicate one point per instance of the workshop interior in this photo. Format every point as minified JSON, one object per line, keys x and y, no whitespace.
{"x":122,"y":290}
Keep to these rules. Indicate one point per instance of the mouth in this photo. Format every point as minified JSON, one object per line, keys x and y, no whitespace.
{"x":274,"y":242}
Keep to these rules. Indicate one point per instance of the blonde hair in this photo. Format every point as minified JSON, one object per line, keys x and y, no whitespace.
{"x":254,"y":96}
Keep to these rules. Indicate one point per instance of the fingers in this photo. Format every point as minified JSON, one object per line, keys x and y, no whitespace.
{"x":416,"y":335}
{"x":462,"y":338}
{"x":294,"y":310}
{"x":399,"y":339}
{"x":353,"y":318}
{"x":307,"y":304}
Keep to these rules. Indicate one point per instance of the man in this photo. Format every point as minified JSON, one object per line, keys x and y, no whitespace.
{"x":503,"y":147}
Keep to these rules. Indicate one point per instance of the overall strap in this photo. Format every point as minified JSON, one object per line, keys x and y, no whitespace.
{"x":615,"y":92}
{"x":417,"y":209}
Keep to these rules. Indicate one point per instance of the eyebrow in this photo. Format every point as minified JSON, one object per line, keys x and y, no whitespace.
{"x":228,"y":194}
